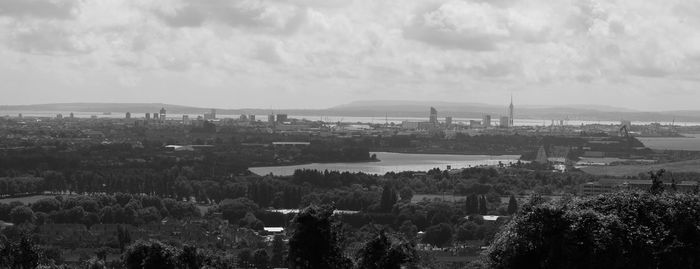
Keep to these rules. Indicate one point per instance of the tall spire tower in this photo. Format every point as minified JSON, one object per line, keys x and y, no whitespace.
{"x":510,"y":111}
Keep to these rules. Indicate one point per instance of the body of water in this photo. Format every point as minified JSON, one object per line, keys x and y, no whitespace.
{"x":690,"y":142}
{"x":395,"y":162}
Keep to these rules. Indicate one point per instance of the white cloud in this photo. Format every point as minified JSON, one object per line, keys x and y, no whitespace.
{"x":314,"y":53}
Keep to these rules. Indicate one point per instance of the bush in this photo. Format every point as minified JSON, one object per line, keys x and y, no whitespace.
{"x":620,"y":230}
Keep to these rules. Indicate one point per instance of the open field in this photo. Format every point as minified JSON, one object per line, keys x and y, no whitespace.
{"x":633,"y":170}
{"x":460,"y":198}
{"x":25,"y":200}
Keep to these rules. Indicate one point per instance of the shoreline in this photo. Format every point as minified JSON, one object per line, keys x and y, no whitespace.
{"x":305,"y":163}
{"x":384,"y":151}
{"x":438,"y":152}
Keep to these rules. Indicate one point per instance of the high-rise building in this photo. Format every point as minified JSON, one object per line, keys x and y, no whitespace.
{"x":59,"y":116}
{"x":448,"y":121}
{"x":243,"y":117}
{"x":504,"y":122}
{"x":148,"y":116}
{"x":20,"y":115}
{"x":433,"y":116}
{"x":162,"y":113}
{"x":474,"y":123}
{"x":486,"y":122}
{"x":185,"y":119}
{"x":71,"y":115}
{"x":210,"y":115}
{"x":510,"y":112}
{"x":155,"y":116}
{"x":251,"y":117}
{"x":128,"y":115}
{"x":271,"y":118}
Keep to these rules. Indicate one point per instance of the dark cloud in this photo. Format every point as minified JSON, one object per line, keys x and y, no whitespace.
{"x":617,"y":28}
{"x":464,"y":40}
{"x":472,"y":26}
{"x":688,"y":10}
{"x":648,"y":71}
{"x":231,"y":13}
{"x":45,"y":40}
{"x":501,"y":69}
{"x":57,"y":9}
{"x":268,"y":53}
{"x":585,"y":78}
{"x":585,"y":15}
{"x":485,"y":70}
{"x":185,"y":17}
{"x":448,"y":35}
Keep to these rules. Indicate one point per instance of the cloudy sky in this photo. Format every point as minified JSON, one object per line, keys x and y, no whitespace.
{"x":319,"y":53}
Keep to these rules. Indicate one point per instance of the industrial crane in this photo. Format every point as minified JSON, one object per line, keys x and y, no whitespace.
{"x":624,"y":131}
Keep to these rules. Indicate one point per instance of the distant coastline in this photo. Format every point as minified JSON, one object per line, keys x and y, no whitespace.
{"x":381,"y":109}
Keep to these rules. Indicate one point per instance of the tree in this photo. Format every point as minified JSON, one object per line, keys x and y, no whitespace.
{"x":101,"y":253}
{"x":472,"y":204}
{"x":51,"y":255}
{"x":46,"y":205}
{"x":260,"y":259}
{"x":234,"y":210}
{"x":148,"y":215}
{"x":94,"y":263}
{"x":512,"y":205}
{"x":482,"y":206}
{"x":244,"y":259}
{"x":466,"y":231}
{"x":251,"y":222}
{"x":406,"y":194}
{"x":189,"y":258}
{"x":384,"y":251}
{"x":388,"y":198}
{"x":657,"y":184}
{"x":408,"y":229}
{"x":438,"y":235}
{"x":150,"y":254}
{"x":123,"y":236}
{"x":316,"y":240}
{"x":21,"y":253}
{"x":22,"y":214}
{"x":278,"y":249}
{"x":90,"y":219}
{"x":618,"y":230}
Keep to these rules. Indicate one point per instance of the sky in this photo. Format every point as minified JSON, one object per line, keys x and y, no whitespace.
{"x":319,"y":53}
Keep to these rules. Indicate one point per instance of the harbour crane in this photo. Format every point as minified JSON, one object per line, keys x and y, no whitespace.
{"x":624,"y":131}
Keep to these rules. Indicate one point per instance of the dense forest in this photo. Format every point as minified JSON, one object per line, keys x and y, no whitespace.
{"x":619,"y":230}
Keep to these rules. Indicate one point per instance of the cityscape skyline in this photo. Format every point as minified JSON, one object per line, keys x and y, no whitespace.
{"x":349,"y":134}
{"x":318,"y":54}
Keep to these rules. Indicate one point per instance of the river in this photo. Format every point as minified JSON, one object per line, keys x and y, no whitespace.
{"x":394,"y":162}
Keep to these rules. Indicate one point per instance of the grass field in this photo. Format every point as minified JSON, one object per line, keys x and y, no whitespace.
{"x":447,"y":197}
{"x":26,"y":200}
{"x":460,"y":198}
{"x":633,"y":170}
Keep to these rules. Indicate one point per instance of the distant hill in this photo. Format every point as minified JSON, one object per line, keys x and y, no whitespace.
{"x":103,"y":107}
{"x":477,"y":110}
{"x":391,"y":108}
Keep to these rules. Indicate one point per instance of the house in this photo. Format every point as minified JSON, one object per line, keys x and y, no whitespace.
{"x":274,"y":229}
